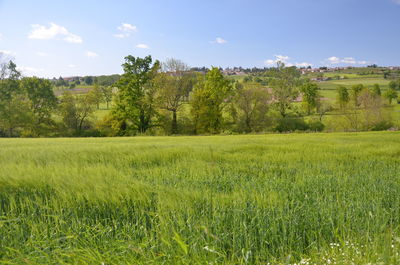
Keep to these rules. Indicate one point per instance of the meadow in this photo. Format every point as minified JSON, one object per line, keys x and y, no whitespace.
{"x":255,"y":199}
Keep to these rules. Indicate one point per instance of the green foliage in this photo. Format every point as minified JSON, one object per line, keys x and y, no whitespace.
{"x":390,"y":95}
{"x":343,"y":97}
{"x":208,"y":101}
{"x":88,"y":80}
{"x":310,"y":96}
{"x":285,"y":82}
{"x":291,"y":125}
{"x":135,"y":105}
{"x":76,"y":111}
{"x":106,"y":80}
{"x":377,"y":90}
{"x":249,"y":107}
{"x":393,"y":85}
{"x":42,"y":101}
{"x":154,"y":100}
{"x":174,"y":86}
{"x":355,"y":91}
{"x":316,"y":126}
{"x":96,"y":95}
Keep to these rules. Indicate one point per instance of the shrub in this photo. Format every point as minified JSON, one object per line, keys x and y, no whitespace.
{"x":382,"y":126}
{"x":291,"y":125}
{"x":316,"y":126}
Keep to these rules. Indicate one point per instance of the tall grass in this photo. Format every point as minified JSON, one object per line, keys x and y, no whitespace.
{"x":278,"y":199}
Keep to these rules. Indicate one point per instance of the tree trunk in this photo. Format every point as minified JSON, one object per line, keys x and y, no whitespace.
{"x":174,"y":125}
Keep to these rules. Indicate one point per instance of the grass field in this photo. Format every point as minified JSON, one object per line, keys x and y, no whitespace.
{"x":277,"y":199}
{"x":368,"y":82}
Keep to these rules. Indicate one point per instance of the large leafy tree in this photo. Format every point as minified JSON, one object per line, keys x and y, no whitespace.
{"x":310,"y":96}
{"x":208,"y":101}
{"x":76,"y":111}
{"x":250,"y":106}
{"x":14,"y":111}
{"x":285,"y":82}
{"x":391,"y":95}
{"x":135,"y":106}
{"x":174,"y":86}
{"x":97,"y":95}
{"x":343,"y":97}
{"x":42,"y":100}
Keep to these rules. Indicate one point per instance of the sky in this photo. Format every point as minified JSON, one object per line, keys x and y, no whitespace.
{"x":52,"y":38}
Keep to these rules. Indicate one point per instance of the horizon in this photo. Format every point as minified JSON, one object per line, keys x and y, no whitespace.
{"x":80,"y":39}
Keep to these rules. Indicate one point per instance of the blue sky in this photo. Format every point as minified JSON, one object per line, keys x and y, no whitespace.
{"x":52,"y":38}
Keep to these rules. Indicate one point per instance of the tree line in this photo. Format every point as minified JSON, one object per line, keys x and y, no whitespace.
{"x":169,"y":98}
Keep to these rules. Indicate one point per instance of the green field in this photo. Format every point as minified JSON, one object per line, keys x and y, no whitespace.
{"x":282,"y":199}
{"x":368,"y":82}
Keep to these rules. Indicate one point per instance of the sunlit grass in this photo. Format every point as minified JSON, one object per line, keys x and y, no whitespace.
{"x":280,"y":199}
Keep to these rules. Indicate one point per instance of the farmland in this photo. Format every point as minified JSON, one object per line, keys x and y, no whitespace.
{"x":278,"y":199}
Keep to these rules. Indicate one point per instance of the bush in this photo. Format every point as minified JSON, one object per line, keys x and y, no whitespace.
{"x":291,"y":125}
{"x":382,"y":126}
{"x":316,"y":126}
{"x":92,"y":133}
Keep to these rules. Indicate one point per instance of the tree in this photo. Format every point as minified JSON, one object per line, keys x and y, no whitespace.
{"x":391,"y":95}
{"x":284,"y":84}
{"x":42,"y":101}
{"x":355,"y":91}
{"x":393,"y":85}
{"x":322,"y":109}
{"x":208,"y":101}
{"x":310,"y":95}
{"x":372,"y":114}
{"x":343,"y":97}
{"x":88,"y":80}
{"x":135,"y":105}
{"x":250,"y":106}
{"x":174,"y":86}
{"x":107,"y":92}
{"x":97,"y":95}
{"x":76,"y":110}
{"x":376,"y":90}
{"x":13,"y":105}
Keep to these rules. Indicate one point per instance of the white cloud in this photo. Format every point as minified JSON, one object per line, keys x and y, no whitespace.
{"x":42,"y":54}
{"x":305,"y":64}
{"x":269,"y":62}
{"x":349,"y":60}
{"x":40,"y":32}
{"x":126,"y":30}
{"x":1,"y":36}
{"x":286,"y":60}
{"x":333,"y":60}
{"x":345,"y":60}
{"x":91,"y":54}
{"x":142,"y":46}
{"x":71,"y":66}
{"x":278,"y":58}
{"x":219,"y":40}
{"x":127,"y":27}
{"x":282,"y":58}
